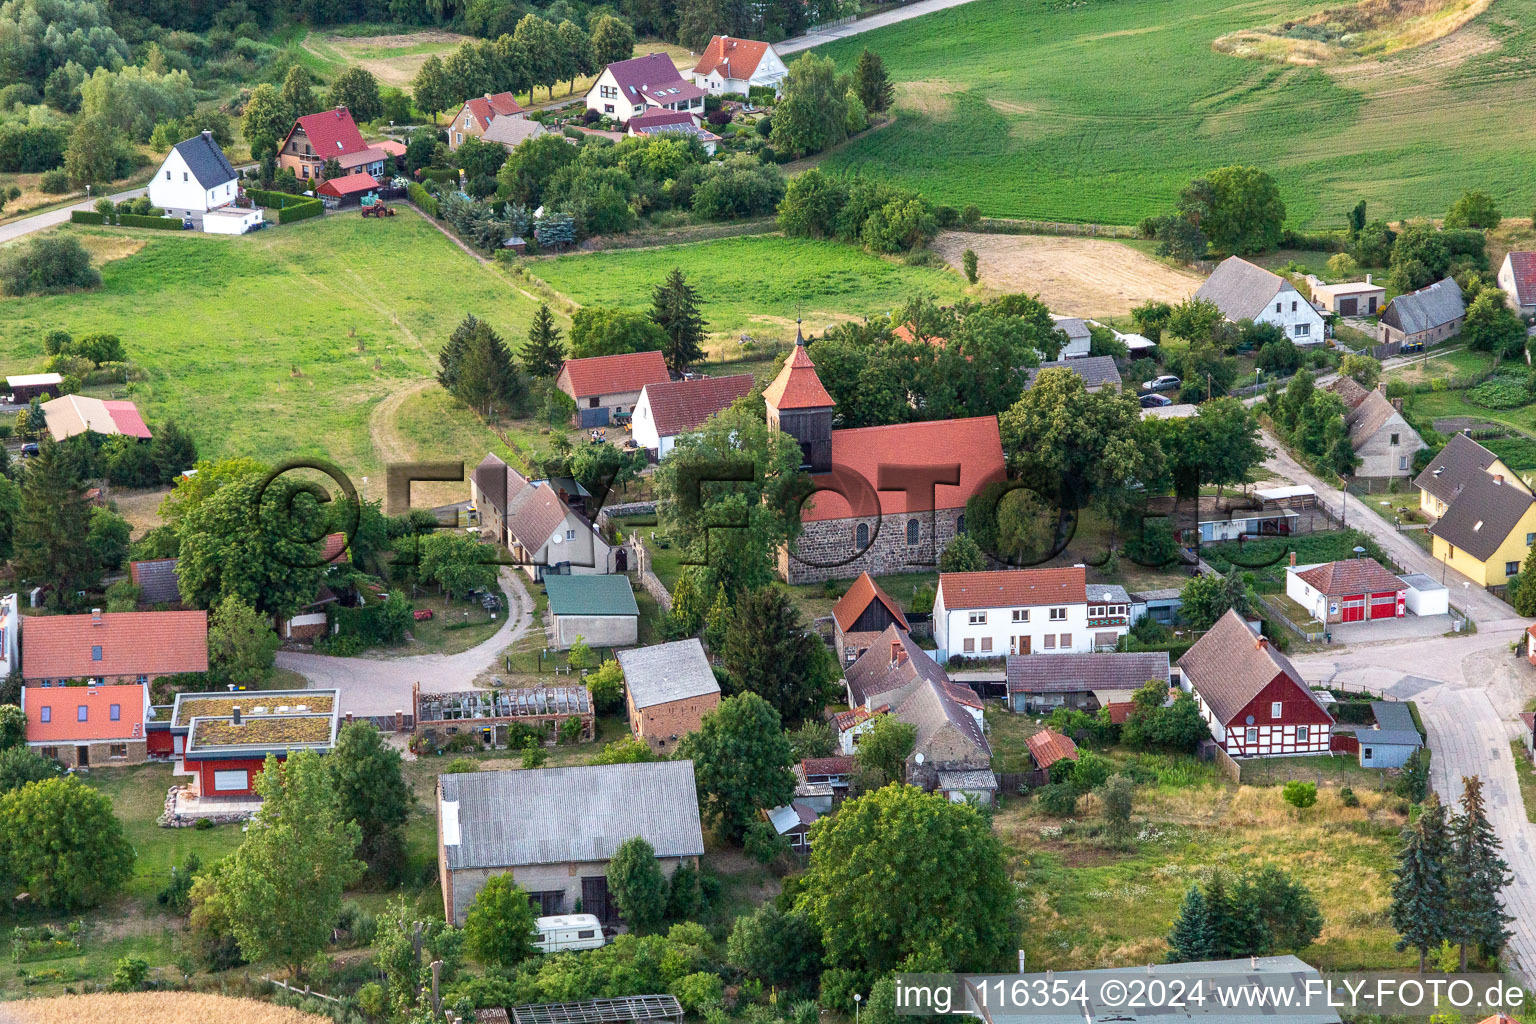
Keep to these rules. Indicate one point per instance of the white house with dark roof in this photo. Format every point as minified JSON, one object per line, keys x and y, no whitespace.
{"x":195,"y":178}
{"x":543,"y":533}
{"x":1243,"y":291}
{"x":1097,"y":371}
{"x":1043,"y":682}
{"x":1079,"y":337}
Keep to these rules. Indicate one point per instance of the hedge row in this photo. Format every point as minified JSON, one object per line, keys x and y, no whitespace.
{"x":440,"y":174}
{"x":275,"y":200}
{"x":425,"y":201}
{"x":86,"y":217}
{"x":300,"y":211}
{"x":138,"y":220}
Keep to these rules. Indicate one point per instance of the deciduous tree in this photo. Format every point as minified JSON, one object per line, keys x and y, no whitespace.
{"x":1473,"y":209}
{"x":1245,"y":213}
{"x":812,"y":114}
{"x":883,"y":750}
{"x":60,"y":842}
{"x":371,"y":792}
{"x":358,"y":91}
{"x":266,"y":119}
{"x":298,"y":94}
{"x":241,"y":643}
{"x":612,"y":40}
{"x":430,"y":89}
{"x":639,"y":888}
{"x":741,"y":763}
{"x":782,"y":949}
{"x":500,"y":923}
{"x":608,"y":331}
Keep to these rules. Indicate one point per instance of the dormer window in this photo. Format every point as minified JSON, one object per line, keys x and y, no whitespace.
{"x":96,"y":652}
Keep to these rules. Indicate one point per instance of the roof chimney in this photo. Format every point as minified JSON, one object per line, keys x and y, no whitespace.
{"x":1261,"y":643}
{"x":95,"y":616}
{"x":1498,"y":478}
{"x":1293,"y":559}
{"x":234,"y":715}
{"x":1367,"y":278}
{"x":207,"y":134}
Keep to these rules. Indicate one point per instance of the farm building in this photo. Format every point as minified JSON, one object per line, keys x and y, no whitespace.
{"x":194,"y":178}
{"x":26,"y":386}
{"x":1243,"y":291}
{"x":1354,"y":590}
{"x":512,"y":132}
{"x":849,"y":525}
{"x":669,"y":689}
{"x":79,"y":414}
{"x":493,"y":713}
{"x":598,"y":609}
{"x":669,"y":409}
{"x":732,"y":67}
{"x":1047,"y":747}
{"x":555,"y":829}
{"x":888,"y":670}
{"x":316,"y":138}
{"x":627,"y":88}
{"x":1425,"y":317}
{"x":87,"y":726}
{"x":822,"y":782}
{"x":474,"y":119}
{"x":950,"y":752}
{"x":1517,"y":277}
{"x":861,"y":615}
{"x":1041,"y":683}
{"x":1097,"y":371}
{"x":606,"y":389}
{"x":1393,"y":739}
{"x":222,"y":739}
{"x":1352,"y":298}
{"x":1250,"y":694}
{"x":1382,"y":438}
{"x":157,"y":580}
{"x":1079,"y":338}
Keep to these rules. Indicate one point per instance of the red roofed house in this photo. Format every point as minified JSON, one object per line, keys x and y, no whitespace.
{"x":476,"y":115}
{"x":733,"y":66}
{"x":1354,"y":590}
{"x":678,"y":122}
{"x":889,"y":499}
{"x":630,"y":87}
{"x":78,"y":414}
{"x":116,"y":656}
{"x":316,"y":138}
{"x":669,"y":409}
{"x":608,"y":387}
{"x":1019,"y":611}
{"x":347,"y":185}
{"x":1250,"y":694}
{"x":1517,"y":276}
{"x":861,"y":615}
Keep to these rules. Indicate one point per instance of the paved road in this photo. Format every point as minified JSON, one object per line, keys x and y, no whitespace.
{"x":382,"y":686}
{"x":38,"y":222}
{"x":874,"y":21}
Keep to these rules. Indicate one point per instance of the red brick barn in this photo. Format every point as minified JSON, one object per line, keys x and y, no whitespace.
{"x":1255,"y":701}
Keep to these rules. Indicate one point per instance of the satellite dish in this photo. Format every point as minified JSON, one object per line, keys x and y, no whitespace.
{"x":1250,"y":719}
{"x":918,"y":757}
{"x":558,"y":539}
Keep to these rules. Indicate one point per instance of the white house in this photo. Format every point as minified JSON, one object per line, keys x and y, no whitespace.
{"x":195,"y":178}
{"x":543,"y":534}
{"x":627,"y":88}
{"x":1020,"y":611}
{"x":669,"y":410}
{"x":10,"y":635}
{"x":1517,"y":276}
{"x":1243,"y":291}
{"x":733,"y":66}
{"x":1079,"y":337}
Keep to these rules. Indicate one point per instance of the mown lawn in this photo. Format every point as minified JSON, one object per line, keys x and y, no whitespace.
{"x":755,"y":284}
{"x":1090,"y":903}
{"x":282,"y":343}
{"x":1102,"y":112}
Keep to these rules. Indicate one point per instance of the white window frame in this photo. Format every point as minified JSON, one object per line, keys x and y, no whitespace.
{"x":1303,"y":734}
{"x":1058,"y":614}
{"x":977,"y":618}
{"x":225,"y":775}
{"x":1275,"y":709}
{"x":1251,"y":735}
{"x":1021,"y":615}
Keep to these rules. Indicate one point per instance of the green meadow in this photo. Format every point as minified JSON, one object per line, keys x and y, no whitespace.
{"x":1100,"y":111}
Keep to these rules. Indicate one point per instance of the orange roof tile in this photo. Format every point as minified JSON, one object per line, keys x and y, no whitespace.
{"x":612,"y":375}
{"x":1048,"y":747}
{"x":1012,"y":588}
{"x":858,"y":455}
{"x":1351,"y":576}
{"x":61,"y":705}
{"x":852,"y":604}
{"x":114,"y":644}
{"x":736,"y":58}
{"x":797,"y":386}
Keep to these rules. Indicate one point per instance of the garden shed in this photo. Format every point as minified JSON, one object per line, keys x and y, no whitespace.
{"x":600,"y":610}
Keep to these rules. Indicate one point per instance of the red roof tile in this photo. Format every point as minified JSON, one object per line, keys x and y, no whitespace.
{"x":736,"y":58}
{"x":797,"y":386}
{"x":331,"y":133}
{"x":962,"y":694}
{"x":348,"y":184}
{"x":132,"y":643}
{"x":904,"y":332}
{"x":125,"y":416}
{"x":335,"y":547}
{"x":827,"y":765}
{"x":1013,"y":588}
{"x":612,"y":375}
{"x":391,"y":147}
{"x":845,"y":720}
{"x":487,"y":108}
{"x":1120,"y":711}
{"x":852,"y":604}
{"x":678,"y":406}
{"x":1523,"y":265}
{"x":658,"y":116}
{"x":1048,"y":747}
{"x":858,"y":454}
{"x":64,"y":703}
{"x":1351,"y":576}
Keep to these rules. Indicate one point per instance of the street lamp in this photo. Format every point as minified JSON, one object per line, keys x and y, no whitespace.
{"x":365,"y":490}
{"x":857,"y":999}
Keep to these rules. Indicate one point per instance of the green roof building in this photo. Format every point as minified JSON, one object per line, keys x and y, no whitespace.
{"x":599,"y":609}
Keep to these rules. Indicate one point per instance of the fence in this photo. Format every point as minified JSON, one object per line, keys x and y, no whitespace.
{"x":1272,"y":611}
{"x":306,"y":991}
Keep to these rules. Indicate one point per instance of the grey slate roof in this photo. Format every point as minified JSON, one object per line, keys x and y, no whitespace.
{"x":1240,"y":289}
{"x":1394,"y":726}
{"x":1107,"y":593}
{"x":1449,"y":471}
{"x":1076,"y":673}
{"x":591,"y":595}
{"x":206,"y":161}
{"x":1075,"y":328}
{"x":1369,"y":416}
{"x":559,"y":815}
{"x":156,"y":580}
{"x":1429,"y":307}
{"x":929,"y":707}
{"x":1096,"y":371}
{"x":1482,"y":515}
{"x":667,"y":672}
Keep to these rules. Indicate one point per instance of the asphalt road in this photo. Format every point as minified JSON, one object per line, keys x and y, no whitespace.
{"x":874,"y":21}
{"x":41,"y":221}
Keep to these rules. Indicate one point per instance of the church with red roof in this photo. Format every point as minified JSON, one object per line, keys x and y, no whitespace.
{"x":890,"y":499}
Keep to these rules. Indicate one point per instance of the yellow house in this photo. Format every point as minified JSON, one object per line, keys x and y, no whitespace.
{"x":1488,"y":529}
{"x":1459,"y":461}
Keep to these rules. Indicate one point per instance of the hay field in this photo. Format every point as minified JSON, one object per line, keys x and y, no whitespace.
{"x":151,"y":1008}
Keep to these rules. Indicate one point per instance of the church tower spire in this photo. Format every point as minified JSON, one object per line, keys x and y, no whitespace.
{"x":799,"y":404}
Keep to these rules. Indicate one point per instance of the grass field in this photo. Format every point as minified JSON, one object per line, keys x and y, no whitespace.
{"x":757,"y":283}
{"x":154,"y":1008}
{"x":284,"y":343}
{"x":1101,"y":112}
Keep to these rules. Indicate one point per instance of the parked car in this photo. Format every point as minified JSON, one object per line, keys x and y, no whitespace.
{"x":1167,"y":382}
{"x":1155,"y":401}
{"x":29,"y":449}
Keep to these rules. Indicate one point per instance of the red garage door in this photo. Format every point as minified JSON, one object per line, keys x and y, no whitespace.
{"x":1354,"y":608}
{"x":1384,"y":605}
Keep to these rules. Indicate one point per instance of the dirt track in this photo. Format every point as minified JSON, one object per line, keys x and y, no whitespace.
{"x":1076,"y":276}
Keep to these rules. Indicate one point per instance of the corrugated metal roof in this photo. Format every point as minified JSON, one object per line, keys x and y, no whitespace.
{"x":667,"y":672}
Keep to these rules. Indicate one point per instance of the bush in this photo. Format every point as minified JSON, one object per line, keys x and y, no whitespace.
{"x":459,"y":765}
{"x":300,"y":211}
{"x":424,"y":200}
{"x":1299,"y":795}
{"x":86,"y":217}
{"x":49,"y":263}
{"x":1059,"y":799}
{"x":54,"y":182}
{"x":133,"y":220}
{"x":1499,"y":393}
